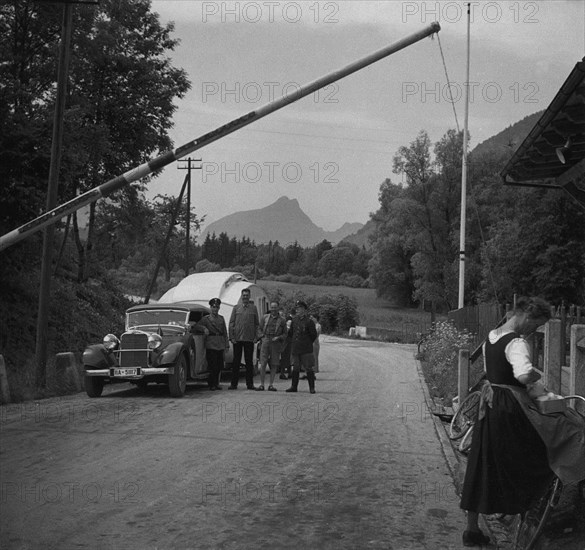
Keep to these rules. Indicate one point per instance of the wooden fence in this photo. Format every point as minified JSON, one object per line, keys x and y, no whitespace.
{"x":558,"y":347}
{"x":477,"y":320}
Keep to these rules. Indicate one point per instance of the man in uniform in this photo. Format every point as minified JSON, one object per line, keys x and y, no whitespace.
{"x":303,"y":334}
{"x":216,"y":342}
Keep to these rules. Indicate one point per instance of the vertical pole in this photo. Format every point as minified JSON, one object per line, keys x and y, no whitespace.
{"x":464,"y":177}
{"x":577,"y":362}
{"x":188,"y":219}
{"x":463,"y":375}
{"x":552,"y":366}
{"x":187,"y":183}
{"x":563,"y":341}
{"x":52,"y":195}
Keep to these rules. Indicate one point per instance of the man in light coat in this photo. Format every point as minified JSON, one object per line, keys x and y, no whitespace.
{"x":244,"y":328}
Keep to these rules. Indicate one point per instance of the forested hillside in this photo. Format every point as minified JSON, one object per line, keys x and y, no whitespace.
{"x":519,"y":239}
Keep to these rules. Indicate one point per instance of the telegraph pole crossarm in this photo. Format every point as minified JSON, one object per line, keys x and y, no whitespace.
{"x":189,"y":167}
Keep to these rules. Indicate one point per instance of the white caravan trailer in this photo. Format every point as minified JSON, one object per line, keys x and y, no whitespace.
{"x":225,"y":285}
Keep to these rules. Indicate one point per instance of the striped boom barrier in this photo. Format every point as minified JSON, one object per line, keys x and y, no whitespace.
{"x":170,"y":156}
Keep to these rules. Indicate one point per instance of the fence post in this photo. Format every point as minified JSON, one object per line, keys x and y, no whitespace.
{"x":4,"y":389}
{"x":563,"y":343}
{"x":577,"y":361}
{"x":463,"y":375}
{"x":552,"y":366}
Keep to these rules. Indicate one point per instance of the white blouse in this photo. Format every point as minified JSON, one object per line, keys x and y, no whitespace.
{"x":517,"y":352}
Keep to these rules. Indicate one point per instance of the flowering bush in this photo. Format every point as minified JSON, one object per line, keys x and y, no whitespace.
{"x":439,"y":353}
{"x":441,"y":346}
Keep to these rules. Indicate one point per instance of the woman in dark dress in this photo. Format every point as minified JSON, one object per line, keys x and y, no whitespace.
{"x":508,"y":464}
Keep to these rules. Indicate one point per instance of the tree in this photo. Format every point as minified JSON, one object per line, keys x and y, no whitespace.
{"x":336,"y":261}
{"x":390,"y":269}
{"x":414,"y":241}
{"x":540,"y":251}
{"x":28,"y":34}
{"x":225,"y":257}
{"x":518,"y":240}
{"x":294,"y":258}
{"x":122,"y":88}
{"x":322,"y":247}
{"x":204,"y":266}
{"x":122,"y":91}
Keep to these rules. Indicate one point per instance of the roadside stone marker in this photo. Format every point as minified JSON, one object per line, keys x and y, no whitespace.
{"x":66,"y":370}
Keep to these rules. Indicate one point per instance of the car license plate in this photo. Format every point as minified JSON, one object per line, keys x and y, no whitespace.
{"x":126,"y":372}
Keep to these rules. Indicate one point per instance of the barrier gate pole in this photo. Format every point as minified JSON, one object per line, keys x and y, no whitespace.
{"x":170,"y":156}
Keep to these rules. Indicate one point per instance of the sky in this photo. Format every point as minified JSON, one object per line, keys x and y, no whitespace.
{"x":331,"y":150}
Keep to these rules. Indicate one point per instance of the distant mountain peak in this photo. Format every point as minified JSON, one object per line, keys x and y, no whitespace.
{"x":286,"y":201}
{"x":283,"y":221}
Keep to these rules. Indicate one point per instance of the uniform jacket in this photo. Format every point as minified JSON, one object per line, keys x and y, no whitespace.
{"x":303,"y":334}
{"x":217,"y":338}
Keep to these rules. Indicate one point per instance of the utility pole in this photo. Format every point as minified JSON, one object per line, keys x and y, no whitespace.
{"x":189,"y":167}
{"x":52,"y":195}
{"x":53,"y":188}
{"x":461,"y":302}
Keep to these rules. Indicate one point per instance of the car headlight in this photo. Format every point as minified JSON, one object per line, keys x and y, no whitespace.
{"x":111,"y":342}
{"x":154,"y":341}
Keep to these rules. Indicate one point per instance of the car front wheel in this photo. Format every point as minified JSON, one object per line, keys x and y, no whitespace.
{"x":178,"y":380}
{"x":94,"y":385}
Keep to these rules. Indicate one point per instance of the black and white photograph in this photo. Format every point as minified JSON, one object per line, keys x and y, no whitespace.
{"x":292,"y":274}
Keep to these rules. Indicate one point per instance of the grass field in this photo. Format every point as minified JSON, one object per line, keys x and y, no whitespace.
{"x":403,"y":323}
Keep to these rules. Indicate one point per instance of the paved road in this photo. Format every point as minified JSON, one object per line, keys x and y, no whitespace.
{"x":357,"y":465}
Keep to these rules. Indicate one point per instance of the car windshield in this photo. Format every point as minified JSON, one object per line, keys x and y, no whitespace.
{"x":156,"y":317}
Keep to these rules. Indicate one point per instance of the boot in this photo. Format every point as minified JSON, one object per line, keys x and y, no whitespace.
{"x":295,"y":382}
{"x":311,"y":380}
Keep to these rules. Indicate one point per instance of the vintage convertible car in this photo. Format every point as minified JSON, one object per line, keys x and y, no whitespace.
{"x":159,"y":345}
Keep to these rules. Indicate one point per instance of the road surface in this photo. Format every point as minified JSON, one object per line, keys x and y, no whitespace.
{"x":356,"y":465}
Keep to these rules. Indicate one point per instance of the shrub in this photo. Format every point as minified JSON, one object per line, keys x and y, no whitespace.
{"x":336,"y":313}
{"x":347,"y":312}
{"x":205,"y":266}
{"x":339,"y":312}
{"x":308,"y":280}
{"x":353,"y":281}
{"x":439,"y":358}
{"x":246,"y":270}
{"x":328,"y":318}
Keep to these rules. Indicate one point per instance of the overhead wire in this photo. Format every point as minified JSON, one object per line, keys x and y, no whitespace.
{"x":448,"y":82}
{"x":476,"y":210}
